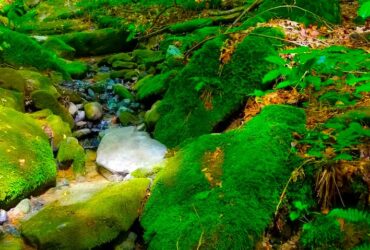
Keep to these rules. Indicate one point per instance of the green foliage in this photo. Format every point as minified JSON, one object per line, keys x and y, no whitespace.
{"x":340,"y":229}
{"x":364,"y":10}
{"x":201,"y":96}
{"x":316,"y":67}
{"x":304,"y":11}
{"x":87,"y":224}
{"x":220,"y":192}
{"x":26,"y":157}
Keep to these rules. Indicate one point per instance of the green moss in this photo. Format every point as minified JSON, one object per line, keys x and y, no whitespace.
{"x":152,"y":116}
{"x":190,"y":25}
{"x":76,"y":69}
{"x":221,"y":190}
{"x":44,"y":100}
{"x":122,"y":92}
{"x":97,"y":42}
{"x":26,"y":157}
{"x":147,"y":57}
{"x":59,"y":128}
{"x":125,"y":57}
{"x":37,"y":81}
{"x":21,"y":50}
{"x":59,"y":47}
{"x":124,"y":65}
{"x":309,"y":12}
{"x":12,"y":80}
{"x":71,"y":150}
{"x":326,"y":231}
{"x":199,"y":98}
{"x":90,"y":224}
{"x":126,"y":74}
{"x":154,"y":86}
{"x":127,"y":118}
{"x":53,"y":27}
{"x":12,"y":99}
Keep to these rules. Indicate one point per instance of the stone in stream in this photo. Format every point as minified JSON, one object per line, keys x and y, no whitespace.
{"x":3,"y":216}
{"x":93,"y":110}
{"x":124,"y":150}
{"x":98,"y":220}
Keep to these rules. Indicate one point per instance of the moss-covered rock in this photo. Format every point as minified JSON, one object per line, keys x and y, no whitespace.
{"x":71,"y":151}
{"x":148,"y":57}
{"x":190,"y":25}
{"x":37,"y":81}
{"x":124,"y":57}
{"x":152,"y":116}
{"x":12,"y":80}
{"x":12,"y":99}
{"x":126,"y":74}
{"x":122,"y":92}
{"x":27,"y":161}
{"x":153,"y":86}
{"x":126,"y":117}
{"x":204,"y":94}
{"x":47,"y":120}
{"x":97,"y":42}
{"x":220,"y":191}
{"x":22,"y":50}
{"x":124,"y":65}
{"x":59,"y":47}
{"x":44,"y":100}
{"x":93,"y":110}
{"x":90,"y":224}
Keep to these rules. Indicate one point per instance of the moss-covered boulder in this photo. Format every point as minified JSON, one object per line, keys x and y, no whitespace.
{"x":124,"y":65}
{"x":220,"y":191}
{"x":37,"y":81}
{"x":122,"y":91}
{"x":93,"y":110}
{"x":124,"y":57}
{"x":59,"y":129}
{"x":27,"y":161}
{"x":12,"y":99}
{"x":42,"y":99}
{"x":154,"y":86}
{"x":59,"y":47}
{"x":148,"y":57}
{"x":204,"y":94}
{"x":97,"y":42}
{"x":90,"y":224}
{"x":12,"y":80}
{"x":152,"y":116}
{"x":70,"y":151}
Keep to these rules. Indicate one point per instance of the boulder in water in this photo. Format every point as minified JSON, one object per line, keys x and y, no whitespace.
{"x":123,"y":150}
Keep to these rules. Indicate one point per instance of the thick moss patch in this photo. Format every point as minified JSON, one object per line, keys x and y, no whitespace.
{"x":220,"y":191}
{"x":71,"y":150}
{"x":26,"y":157}
{"x":89,"y":224}
{"x":204,"y":94}
{"x":12,"y":99}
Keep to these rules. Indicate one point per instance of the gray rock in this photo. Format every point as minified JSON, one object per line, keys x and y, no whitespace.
{"x":80,"y":116}
{"x":72,"y":108}
{"x":93,"y":110}
{"x":81,"y":132}
{"x":3,"y":216}
{"x":23,"y":207}
{"x":123,"y":150}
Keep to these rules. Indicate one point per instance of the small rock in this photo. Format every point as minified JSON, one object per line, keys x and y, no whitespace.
{"x":81,"y":132}
{"x":23,"y":207}
{"x":81,"y":123}
{"x":72,"y":108}
{"x":3,"y":216}
{"x":80,"y":116}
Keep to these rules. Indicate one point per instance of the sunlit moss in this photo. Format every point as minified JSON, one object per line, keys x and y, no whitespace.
{"x":26,"y":157}
{"x":91,"y":223}
{"x":71,"y":150}
{"x":221,"y":190}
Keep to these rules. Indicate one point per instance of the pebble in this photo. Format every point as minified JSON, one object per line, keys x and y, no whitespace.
{"x":81,"y":123}
{"x":72,"y":109}
{"x":82,"y":132}
{"x":3,"y":216}
{"x":23,"y":207}
{"x":80,"y":116}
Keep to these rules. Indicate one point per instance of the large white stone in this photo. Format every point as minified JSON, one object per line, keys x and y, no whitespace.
{"x":123,"y":150}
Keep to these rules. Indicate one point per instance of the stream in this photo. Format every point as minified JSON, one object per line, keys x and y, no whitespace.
{"x":119,"y":146}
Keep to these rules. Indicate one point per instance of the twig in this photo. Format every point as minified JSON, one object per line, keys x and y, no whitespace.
{"x":254,"y":5}
{"x":287,"y":184}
